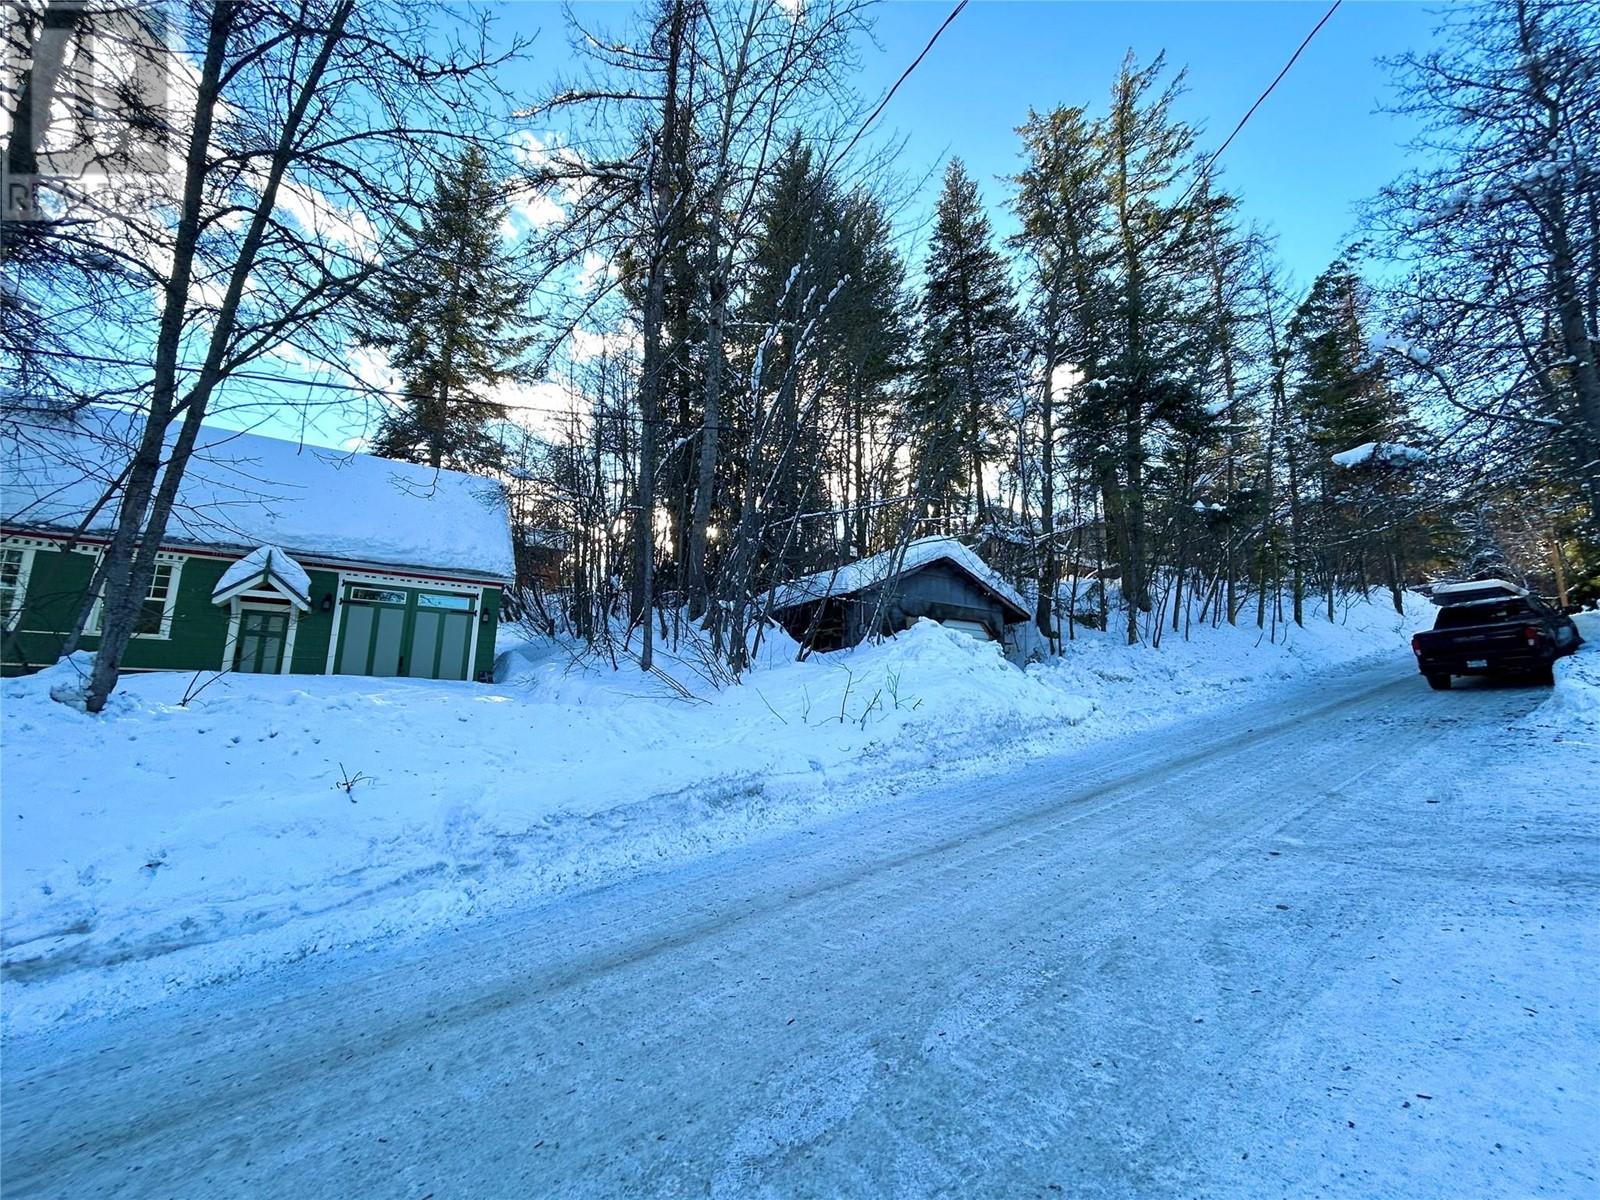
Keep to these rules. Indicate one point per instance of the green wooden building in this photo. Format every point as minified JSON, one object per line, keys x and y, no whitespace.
{"x":280,"y":557}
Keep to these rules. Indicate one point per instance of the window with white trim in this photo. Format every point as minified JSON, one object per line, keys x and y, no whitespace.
{"x":16,"y":562}
{"x":154,"y":618}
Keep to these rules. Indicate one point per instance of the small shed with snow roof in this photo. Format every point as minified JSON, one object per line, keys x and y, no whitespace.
{"x":936,"y":577}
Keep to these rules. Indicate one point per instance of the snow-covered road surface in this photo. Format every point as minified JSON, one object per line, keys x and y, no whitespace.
{"x":1340,"y":946}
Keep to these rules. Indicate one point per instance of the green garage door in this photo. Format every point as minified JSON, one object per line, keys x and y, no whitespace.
{"x":441,"y":635}
{"x":405,"y":631}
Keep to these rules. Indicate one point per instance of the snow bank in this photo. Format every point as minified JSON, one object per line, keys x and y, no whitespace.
{"x":162,"y":844}
{"x":1576,"y":699}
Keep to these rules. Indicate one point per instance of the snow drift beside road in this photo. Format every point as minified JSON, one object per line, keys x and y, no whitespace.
{"x":1576,"y":699}
{"x":160,"y":845}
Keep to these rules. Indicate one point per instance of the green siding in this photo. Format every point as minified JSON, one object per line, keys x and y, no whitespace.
{"x":54,"y":590}
{"x":199,"y":628}
{"x":486,"y":632}
{"x":316,"y":628}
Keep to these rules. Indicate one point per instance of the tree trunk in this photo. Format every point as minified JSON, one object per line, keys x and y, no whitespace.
{"x":1297,"y":571}
{"x":128,"y":575}
{"x":1050,"y":568}
{"x":1111,"y":497}
{"x":1579,"y":348}
{"x":1559,"y":568}
{"x":706,"y":478}
{"x":662,"y":180}
{"x":1575,"y":324}
{"x":122,"y":601}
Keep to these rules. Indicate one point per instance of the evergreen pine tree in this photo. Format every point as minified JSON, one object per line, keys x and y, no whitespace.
{"x":874,"y":334}
{"x":797,"y":274}
{"x":968,"y":361}
{"x":1344,"y":399}
{"x":1061,"y":207}
{"x":1158,"y":320}
{"x":448,"y":318}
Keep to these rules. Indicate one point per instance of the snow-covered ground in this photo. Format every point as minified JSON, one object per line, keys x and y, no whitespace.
{"x":1338,"y":942}
{"x":164,"y":844}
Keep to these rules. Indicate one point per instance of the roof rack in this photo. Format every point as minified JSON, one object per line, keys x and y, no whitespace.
{"x":1474,"y":590}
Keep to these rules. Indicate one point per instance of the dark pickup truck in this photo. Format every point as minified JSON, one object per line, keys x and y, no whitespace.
{"x":1492,"y":628}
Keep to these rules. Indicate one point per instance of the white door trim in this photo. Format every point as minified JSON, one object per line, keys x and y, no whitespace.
{"x":333,"y":634}
{"x":231,"y":645}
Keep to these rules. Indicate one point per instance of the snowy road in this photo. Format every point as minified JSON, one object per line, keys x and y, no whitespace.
{"x":1342,"y":945}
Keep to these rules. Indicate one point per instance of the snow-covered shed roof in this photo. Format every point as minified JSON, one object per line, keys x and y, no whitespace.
{"x":1387,"y":454}
{"x":244,"y":491}
{"x":868,"y":572}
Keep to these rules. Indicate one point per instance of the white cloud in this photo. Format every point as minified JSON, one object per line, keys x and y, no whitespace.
{"x":324,"y":220}
{"x":371,"y":366}
{"x":537,"y":212}
{"x":547,"y":407}
{"x":539,"y":153}
{"x":587,"y":344}
{"x":594,"y":266}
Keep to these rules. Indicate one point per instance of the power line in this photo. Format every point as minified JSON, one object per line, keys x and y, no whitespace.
{"x":1205,"y":171}
{"x":904,"y":75}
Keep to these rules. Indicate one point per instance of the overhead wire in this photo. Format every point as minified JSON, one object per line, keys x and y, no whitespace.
{"x":1205,"y":171}
{"x":904,"y":75}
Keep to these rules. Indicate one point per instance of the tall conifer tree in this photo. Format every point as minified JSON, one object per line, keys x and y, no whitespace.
{"x":451,"y":325}
{"x":969,"y":354}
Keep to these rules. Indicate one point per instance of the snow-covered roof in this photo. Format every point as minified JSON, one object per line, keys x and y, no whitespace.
{"x":265,"y":566}
{"x":246,"y":491}
{"x":868,"y":572}
{"x":1388,"y":454}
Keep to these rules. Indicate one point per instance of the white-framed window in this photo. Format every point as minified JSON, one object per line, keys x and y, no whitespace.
{"x":16,"y":564}
{"x":155,"y":614}
{"x":439,"y":600}
{"x":364,"y":595}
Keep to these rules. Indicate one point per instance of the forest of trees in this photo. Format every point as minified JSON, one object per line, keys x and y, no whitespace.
{"x":1127,"y":405}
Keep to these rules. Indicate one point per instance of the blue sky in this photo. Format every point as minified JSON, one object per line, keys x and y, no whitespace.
{"x":1309,"y":156}
{"x":1314,"y":151}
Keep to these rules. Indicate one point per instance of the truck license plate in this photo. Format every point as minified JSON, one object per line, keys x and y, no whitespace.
{"x":1477,"y":662}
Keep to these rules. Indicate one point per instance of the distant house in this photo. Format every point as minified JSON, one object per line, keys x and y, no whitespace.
{"x":934,"y":577}
{"x":540,"y":553}
{"x":279,"y":558}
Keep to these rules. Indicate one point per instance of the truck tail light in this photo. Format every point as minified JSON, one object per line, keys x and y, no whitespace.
{"x":1532,"y":633}
{"x":1416,"y":644}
